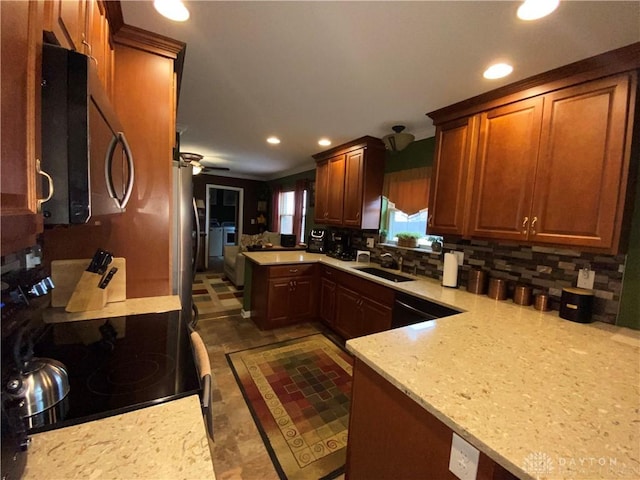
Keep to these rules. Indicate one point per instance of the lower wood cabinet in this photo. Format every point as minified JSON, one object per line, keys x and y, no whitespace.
{"x":392,"y":437}
{"x":289,"y":296}
{"x":327,"y":306}
{"x":362,"y":307}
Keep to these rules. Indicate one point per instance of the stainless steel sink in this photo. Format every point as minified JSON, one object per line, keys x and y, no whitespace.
{"x":394,"y":277}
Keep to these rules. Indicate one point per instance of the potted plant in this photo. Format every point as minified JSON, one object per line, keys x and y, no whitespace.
{"x":408,"y":239}
{"x":383,"y":235}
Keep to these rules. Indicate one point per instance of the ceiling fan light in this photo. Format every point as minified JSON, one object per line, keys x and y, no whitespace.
{"x":397,"y":141}
{"x":197,"y":167}
{"x":172,"y":9}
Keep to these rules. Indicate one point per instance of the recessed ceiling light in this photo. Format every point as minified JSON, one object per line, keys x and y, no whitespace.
{"x":535,"y":9}
{"x":324,"y":142}
{"x":497,"y":70}
{"x":273,"y":140}
{"x":172,"y":9}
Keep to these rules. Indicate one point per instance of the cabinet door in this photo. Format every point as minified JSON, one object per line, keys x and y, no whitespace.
{"x":66,"y":19}
{"x":353,"y":184}
{"x":335,"y":190}
{"x":448,"y":199}
{"x":322,"y":192}
{"x":21,"y":36}
{"x":348,"y":312}
{"x":279,"y":291}
{"x":98,"y":45}
{"x":580,"y":179}
{"x":375,"y":317}
{"x":301,"y":298}
{"x":505,"y":169}
{"x":327,"y":301}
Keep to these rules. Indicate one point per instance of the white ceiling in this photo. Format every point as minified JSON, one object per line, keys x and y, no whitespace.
{"x":303,"y":70}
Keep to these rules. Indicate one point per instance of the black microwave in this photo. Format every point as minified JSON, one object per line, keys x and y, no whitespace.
{"x":84,"y":148}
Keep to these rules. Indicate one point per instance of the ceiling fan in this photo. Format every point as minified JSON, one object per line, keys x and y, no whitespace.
{"x":194,"y":160}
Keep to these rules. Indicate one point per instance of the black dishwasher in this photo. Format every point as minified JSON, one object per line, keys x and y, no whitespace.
{"x":408,"y":310}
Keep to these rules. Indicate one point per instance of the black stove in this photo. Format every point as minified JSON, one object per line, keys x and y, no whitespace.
{"x":117,"y":365}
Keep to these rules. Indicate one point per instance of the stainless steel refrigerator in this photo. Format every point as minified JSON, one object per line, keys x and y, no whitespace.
{"x":185,"y":238}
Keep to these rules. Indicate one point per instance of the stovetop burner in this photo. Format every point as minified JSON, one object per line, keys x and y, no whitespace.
{"x":133,"y":374}
{"x":119,"y":365}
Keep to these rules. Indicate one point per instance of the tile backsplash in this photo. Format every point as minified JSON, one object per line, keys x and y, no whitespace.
{"x":546,"y":269}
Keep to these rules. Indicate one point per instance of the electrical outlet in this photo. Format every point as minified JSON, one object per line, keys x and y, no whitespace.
{"x":459,"y":257}
{"x":586,"y":278}
{"x":370,"y":242}
{"x":463,"y":462}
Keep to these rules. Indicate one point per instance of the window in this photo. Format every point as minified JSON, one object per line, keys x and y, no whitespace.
{"x":287,"y":210}
{"x":291,"y":206}
{"x":398,"y":221}
{"x":407,"y":196}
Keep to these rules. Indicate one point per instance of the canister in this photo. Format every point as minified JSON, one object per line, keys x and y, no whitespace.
{"x":522,"y":295}
{"x":477,"y":282}
{"x":542,"y":302}
{"x":497,"y":289}
{"x":576,"y":304}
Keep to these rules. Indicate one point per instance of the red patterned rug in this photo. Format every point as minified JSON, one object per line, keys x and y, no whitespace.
{"x":299,"y":392}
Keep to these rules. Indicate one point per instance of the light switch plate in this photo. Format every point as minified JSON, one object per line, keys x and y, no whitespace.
{"x":370,"y":242}
{"x":586,"y":278}
{"x":463,"y":462}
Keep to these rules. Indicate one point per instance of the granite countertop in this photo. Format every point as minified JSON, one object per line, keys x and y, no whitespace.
{"x":542,"y":396}
{"x":130,"y":306}
{"x":168,"y":440}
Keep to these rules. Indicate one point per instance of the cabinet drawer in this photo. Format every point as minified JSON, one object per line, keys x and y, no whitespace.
{"x":382,"y":294}
{"x":292,"y":270}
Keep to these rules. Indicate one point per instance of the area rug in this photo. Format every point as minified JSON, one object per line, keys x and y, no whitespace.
{"x":299,"y":392}
{"x":215,"y":296}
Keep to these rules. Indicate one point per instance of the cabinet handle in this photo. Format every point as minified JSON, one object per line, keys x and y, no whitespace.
{"x":39,"y":171}
{"x":430,"y":221}
{"x":358,"y":215}
{"x":293,"y":270}
{"x":524,"y":225}
{"x":533,"y":225}
{"x":86,"y":44}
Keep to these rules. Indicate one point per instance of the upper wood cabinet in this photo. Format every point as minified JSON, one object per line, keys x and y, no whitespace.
{"x":329,"y":201}
{"x":550,"y":163}
{"x":505,"y":170}
{"x":98,"y":43}
{"x":66,"y":19}
{"x":449,"y":202}
{"x":349,"y":184}
{"x":20,"y":104}
{"x":582,"y":171}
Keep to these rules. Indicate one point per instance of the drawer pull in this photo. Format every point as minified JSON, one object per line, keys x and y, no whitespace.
{"x":293,"y":270}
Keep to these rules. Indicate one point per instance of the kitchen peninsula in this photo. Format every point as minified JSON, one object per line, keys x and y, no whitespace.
{"x":521,"y":386}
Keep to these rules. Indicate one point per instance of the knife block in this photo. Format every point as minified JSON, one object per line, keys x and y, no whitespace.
{"x":87,"y":295}
{"x":67,"y":273}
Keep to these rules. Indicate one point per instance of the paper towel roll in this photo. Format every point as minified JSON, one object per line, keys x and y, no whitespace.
{"x":450,"y":270}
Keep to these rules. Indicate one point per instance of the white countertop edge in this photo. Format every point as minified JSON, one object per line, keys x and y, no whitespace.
{"x":448,"y":421}
{"x":130,"y":306}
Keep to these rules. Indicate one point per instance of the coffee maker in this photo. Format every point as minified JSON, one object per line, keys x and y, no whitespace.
{"x":317,"y":241}
{"x":340,"y":246}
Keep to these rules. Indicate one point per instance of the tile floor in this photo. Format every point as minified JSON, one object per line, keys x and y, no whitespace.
{"x":237,"y":450}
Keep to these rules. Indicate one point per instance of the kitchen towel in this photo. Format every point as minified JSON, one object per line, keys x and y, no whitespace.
{"x":450,"y":270}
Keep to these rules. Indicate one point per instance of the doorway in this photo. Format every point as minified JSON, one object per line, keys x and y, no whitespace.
{"x":223,"y":219}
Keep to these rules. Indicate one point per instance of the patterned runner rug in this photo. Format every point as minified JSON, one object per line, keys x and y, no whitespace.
{"x":215,"y":296}
{"x":299,"y":393}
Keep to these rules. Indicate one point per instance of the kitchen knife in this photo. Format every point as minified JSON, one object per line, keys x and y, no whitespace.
{"x":107,"y":278}
{"x":104,"y":262}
